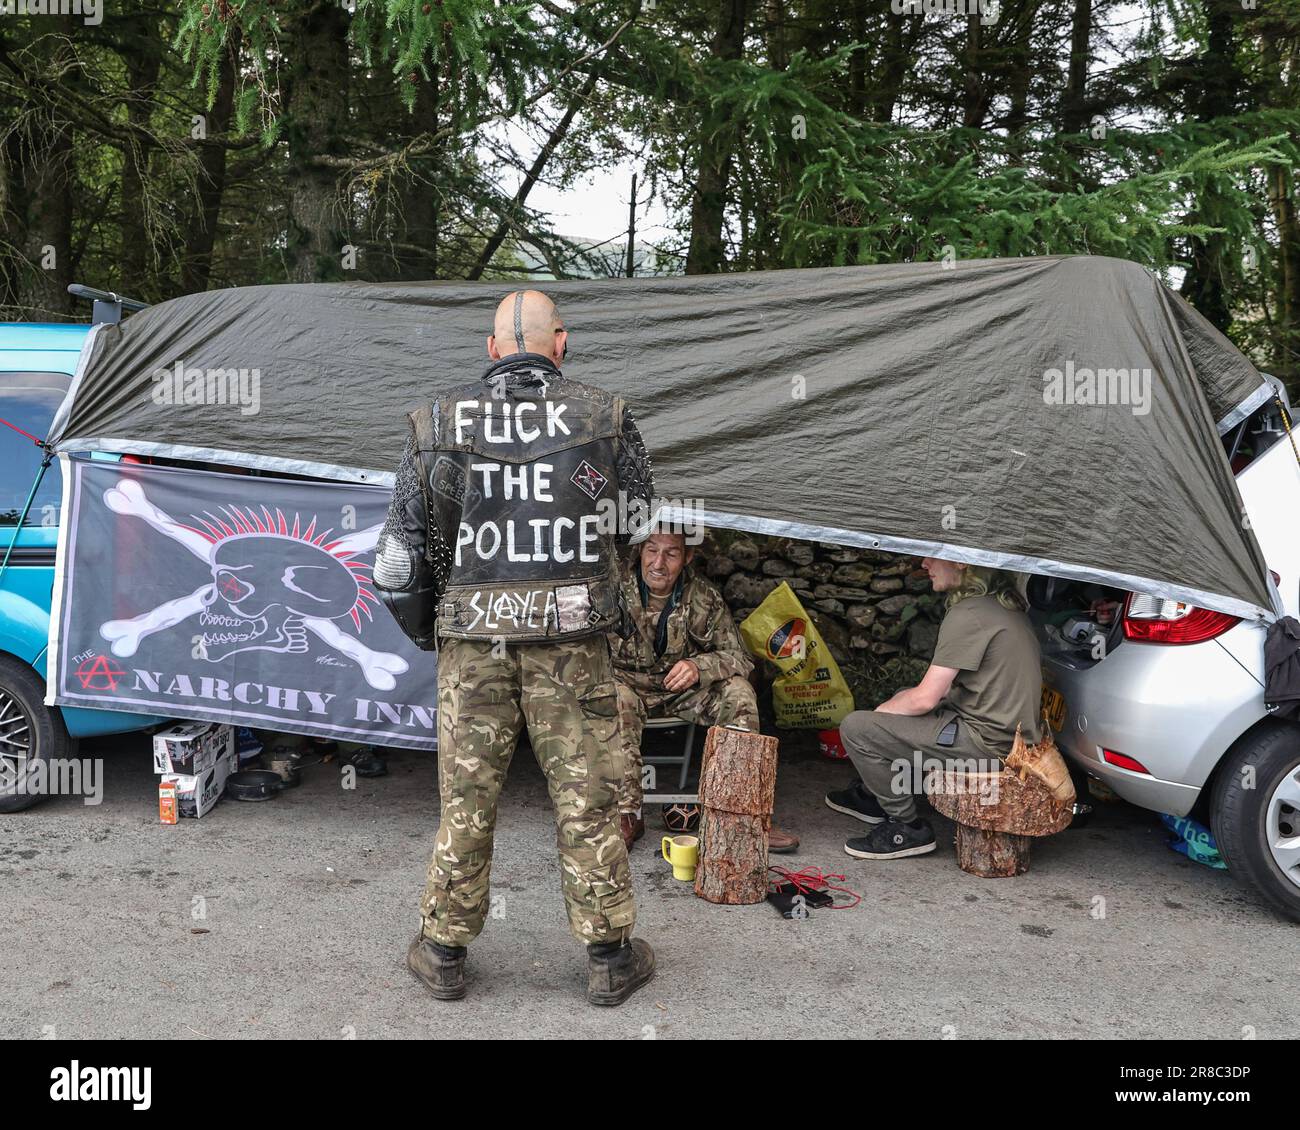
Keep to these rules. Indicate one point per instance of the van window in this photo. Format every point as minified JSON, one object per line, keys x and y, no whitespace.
{"x":28,"y":401}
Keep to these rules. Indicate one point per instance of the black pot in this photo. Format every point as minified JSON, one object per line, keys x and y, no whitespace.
{"x":254,"y":784}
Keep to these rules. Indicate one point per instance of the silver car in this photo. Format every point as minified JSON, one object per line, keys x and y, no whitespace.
{"x":1164,"y":702}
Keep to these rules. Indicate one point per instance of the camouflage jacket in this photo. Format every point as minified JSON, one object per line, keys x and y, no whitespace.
{"x":700,"y":628}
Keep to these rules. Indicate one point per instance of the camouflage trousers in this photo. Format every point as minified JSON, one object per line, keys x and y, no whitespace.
{"x":564,"y":693}
{"x":725,"y":702}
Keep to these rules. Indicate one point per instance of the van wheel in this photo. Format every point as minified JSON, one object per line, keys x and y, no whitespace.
{"x":30,"y":731}
{"x":1255,"y":814}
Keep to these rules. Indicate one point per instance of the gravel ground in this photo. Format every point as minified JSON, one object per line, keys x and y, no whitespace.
{"x":307,"y":904}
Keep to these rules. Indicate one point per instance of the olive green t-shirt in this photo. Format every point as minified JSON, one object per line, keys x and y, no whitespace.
{"x":999,"y":679}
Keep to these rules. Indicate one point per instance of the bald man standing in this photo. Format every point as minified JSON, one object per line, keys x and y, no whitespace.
{"x":499,"y":551}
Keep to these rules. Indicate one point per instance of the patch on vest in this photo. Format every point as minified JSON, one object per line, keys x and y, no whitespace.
{"x":448,"y":479}
{"x":588,"y":480}
{"x":573,"y":607}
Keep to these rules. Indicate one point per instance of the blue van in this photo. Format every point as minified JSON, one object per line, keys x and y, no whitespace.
{"x":37,"y":362}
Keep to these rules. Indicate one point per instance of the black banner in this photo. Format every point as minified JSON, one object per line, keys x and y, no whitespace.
{"x":232,"y":598}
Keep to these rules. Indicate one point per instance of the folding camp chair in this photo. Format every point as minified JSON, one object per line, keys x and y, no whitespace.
{"x":683,"y":759}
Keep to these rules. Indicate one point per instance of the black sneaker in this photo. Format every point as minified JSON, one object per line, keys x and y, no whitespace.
{"x":893,"y":839}
{"x":856,"y":801}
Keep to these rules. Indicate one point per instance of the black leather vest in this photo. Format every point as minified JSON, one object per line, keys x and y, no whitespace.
{"x":525,"y":486}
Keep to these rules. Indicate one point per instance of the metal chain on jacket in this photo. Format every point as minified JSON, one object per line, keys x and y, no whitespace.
{"x":397,"y":552}
{"x":635,"y":473}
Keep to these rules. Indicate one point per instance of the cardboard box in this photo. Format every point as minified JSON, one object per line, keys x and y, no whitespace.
{"x":191,"y":748}
{"x":198,"y":793}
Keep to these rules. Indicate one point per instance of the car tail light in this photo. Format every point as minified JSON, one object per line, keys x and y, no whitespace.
{"x":1124,"y":761}
{"x":1152,"y":619}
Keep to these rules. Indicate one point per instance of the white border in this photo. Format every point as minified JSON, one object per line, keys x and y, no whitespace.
{"x":1017,"y":562}
{"x":1266,"y":391}
{"x":56,"y":602}
{"x":115,"y":445}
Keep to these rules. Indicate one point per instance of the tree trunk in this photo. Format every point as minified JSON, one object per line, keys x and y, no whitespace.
{"x":718,"y":138}
{"x":315,"y":126}
{"x":891,"y":70}
{"x":737,"y":792}
{"x":778,"y":57}
{"x":1074,"y":106}
{"x":997,"y":815}
{"x":1217,"y":80}
{"x":992,"y":855}
{"x":1020,"y":65}
{"x":142,"y":55}
{"x":997,"y":802}
{"x":1286,"y":343}
{"x":196,"y":268}
{"x":738,"y":771}
{"x":732,"y":867}
{"x":1285,"y":323}
{"x":398,"y":213}
{"x":978,"y":97}
{"x":36,"y":196}
{"x":858,"y":60}
{"x":420,"y":200}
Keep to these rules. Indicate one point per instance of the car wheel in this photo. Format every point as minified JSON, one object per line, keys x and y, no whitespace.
{"x":1255,"y":814}
{"x":30,"y":732}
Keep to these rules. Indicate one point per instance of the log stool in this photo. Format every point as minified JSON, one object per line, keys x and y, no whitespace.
{"x":737,"y":794}
{"x":997,"y":817}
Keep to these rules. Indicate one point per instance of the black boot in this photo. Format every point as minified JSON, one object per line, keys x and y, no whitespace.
{"x":441,"y":968}
{"x":616,"y":970}
{"x":367,"y":762}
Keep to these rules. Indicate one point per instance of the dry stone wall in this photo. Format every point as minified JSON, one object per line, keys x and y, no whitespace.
{"x":874,"y":610}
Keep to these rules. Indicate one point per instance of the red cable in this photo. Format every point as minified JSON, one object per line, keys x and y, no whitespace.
{"x":811,"y":879}
{"x":7,"y":424}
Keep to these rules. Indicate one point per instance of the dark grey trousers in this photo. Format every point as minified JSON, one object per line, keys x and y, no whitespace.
{"x":891,"y":751}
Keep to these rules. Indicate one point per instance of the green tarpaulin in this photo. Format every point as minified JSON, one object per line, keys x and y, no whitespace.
{"x":1058,"y":415}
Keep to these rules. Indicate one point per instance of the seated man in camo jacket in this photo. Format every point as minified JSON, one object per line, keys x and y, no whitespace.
{"x":681,"y":657}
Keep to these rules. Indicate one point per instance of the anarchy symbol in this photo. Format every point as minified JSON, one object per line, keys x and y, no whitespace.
{"x":99,"y":674}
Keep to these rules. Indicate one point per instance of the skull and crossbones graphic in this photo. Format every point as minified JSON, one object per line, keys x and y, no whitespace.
{"x":273,"y":582}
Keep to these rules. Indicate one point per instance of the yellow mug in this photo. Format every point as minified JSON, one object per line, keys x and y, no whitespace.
{"x":683,"y":852}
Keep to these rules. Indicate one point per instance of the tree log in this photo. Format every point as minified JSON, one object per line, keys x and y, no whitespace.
{"x":732,"y":866}
{"x":737,"y":792}
{"x":997,"y":802}
{"x":992,"y":855}
{"x":738,"y":773}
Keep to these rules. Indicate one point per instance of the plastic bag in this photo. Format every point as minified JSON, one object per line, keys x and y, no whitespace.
{"x":1193,"y":840}
{"x":810,"y":693}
